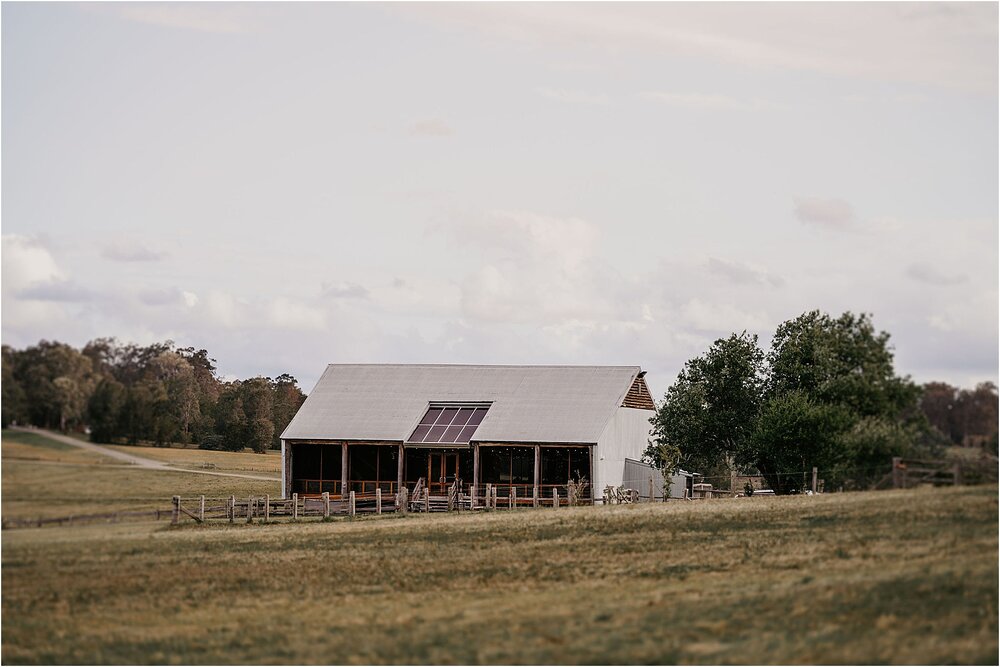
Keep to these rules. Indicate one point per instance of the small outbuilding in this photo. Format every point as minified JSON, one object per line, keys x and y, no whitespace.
{"x":524,"y":430}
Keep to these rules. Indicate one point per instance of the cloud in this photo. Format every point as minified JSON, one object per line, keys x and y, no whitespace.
{"x":927,"y":274}
{"x":130,"y":251}
{"x":707,"y":102}
{"x":213,"y":18}
{"x":834,"y":214}
{"x":742,"y":274}
{"x":431,"y":127}
{"x":951,"y":45}
{"x":573,"y":97}
{"x":344,"y":290}
{"x":64,"y":291}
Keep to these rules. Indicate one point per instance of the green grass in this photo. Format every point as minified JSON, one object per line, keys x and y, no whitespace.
{"x":249,"y":462}
{"x":889,"y":577}
{"x":21,"y":445}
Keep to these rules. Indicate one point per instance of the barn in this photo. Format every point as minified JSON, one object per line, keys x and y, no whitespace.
{"x":523,"y":430}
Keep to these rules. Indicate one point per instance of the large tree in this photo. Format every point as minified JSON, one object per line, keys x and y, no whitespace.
{"x":710,"y":411}
{"x":827,"y":396}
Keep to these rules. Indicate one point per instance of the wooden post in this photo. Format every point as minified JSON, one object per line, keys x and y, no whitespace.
{"x":475,"y":474}
{"x":489,"y":495}
{"x":534,"y":497}
{"x":496,"y":493}
{"x":512,"y":497}
{"x":538,"y":470}
{"x":427,"y":499}
{"x":815,"y":473}
{"x":175,"y":517}
{"x":232,"y":509}
{"x":326,"y":504}
{"x":201,"y":511}
{"x":571,"y":494}
{"x":399,"y":468}
{"x":351,"y":508}
{"x":267,"y":508}
{"x":405,"y":495}
{"x":956,"y":474}
{"x":651,"y":490}
{"x":555,"y":498}
{"x":343,"y":470}
{"x":295,"y":507}
{"x":451,"y":498}
{"x":378,"y":500}
{"x":897,"y":472}
{"x":250,"y":509}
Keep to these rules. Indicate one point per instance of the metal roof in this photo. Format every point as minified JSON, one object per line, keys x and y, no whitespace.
{"x":384,"y":402}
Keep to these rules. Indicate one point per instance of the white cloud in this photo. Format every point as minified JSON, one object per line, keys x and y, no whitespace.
{"x":61,"y":291}
{"x":929,"y":275}
{"x":344,"y":290}
{"x":130,"y":251}
{"x":740,"y":273}
{"x":951,"y":45}
{"x":431,"y":127}
{"x":834,"y":214}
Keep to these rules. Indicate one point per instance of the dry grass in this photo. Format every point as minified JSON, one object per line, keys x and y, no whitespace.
{"x":46,"y":478}
{"x":203,"y":459}
{"x":891,"y":577}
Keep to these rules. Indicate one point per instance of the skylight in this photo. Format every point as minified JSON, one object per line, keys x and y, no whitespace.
{"x":449,"y":424}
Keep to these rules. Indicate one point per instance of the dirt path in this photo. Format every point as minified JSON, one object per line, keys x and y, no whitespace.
{"x":140,"y":461}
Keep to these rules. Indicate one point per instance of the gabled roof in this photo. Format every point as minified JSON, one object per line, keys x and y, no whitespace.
{"x":384,"y":402}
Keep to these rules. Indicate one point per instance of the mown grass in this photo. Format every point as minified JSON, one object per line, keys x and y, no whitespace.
{"x":24,"y":446}
{"x":202,"y":459}
{"x":890,"y":577}
{"x":47,"y":478}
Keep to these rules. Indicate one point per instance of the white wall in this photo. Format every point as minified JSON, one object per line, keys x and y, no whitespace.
{"x":625,"y":436}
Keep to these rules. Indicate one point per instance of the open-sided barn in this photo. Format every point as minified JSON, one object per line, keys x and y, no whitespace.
{"x":524,"y":430}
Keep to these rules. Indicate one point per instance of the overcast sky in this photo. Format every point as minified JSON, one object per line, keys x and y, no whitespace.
{"x":293,"y":185}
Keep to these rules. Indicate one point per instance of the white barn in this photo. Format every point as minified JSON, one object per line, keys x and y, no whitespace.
{"x":525,"y":430}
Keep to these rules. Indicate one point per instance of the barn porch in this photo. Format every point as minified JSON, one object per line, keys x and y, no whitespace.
{"x":516,"y":474}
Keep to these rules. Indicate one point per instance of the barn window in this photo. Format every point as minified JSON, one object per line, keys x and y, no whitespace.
{"x":451,"y":424}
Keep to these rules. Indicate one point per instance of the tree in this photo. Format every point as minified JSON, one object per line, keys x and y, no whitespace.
{"x":258,"y":403}
{"x":12,"y":401}
{"x":826,"y":395}
{"x":104,"y":410}
{"x":288,"y":398}
{"x":710,"y":411}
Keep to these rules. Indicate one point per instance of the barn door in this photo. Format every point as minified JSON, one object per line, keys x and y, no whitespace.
{"x":442,"y":469}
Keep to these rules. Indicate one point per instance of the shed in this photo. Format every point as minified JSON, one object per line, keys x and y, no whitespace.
{"x":525,"y":430}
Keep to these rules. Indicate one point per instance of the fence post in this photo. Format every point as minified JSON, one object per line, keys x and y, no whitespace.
{"x":175,"y":517}
{"x":571,"y":494}
{"x":404,"y":506}
{"x":232,"y":509}
{"x":512,"y":498}
{"x":534,"y":497}
{"x":427,"y":499}
{"x":326,"y":504}
{"x":815,"y":471}
{"x":897,"y":472}
{"x":555,"y":498}
{"x":489,"y":495}
{"x":250,"y":509}
{"x":378,"y":500}
{"x":496,"y":494}
{"x":201,"y":511}
{"x":651,"y":499}
{"x":350,"y":507}
{"x":267,"y":508}
{"x":295,"y":507}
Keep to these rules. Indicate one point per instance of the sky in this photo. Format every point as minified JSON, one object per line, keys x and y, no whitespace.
{"x":291,"y":185}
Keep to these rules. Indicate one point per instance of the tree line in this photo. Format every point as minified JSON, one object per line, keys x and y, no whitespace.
{"x":158,"y":393}
{"x":826,"y":394}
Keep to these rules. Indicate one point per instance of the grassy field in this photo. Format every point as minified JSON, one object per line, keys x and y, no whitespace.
{"x":888,"y":577}
{"x":46,"y":478}
{"x":203,"y":459}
